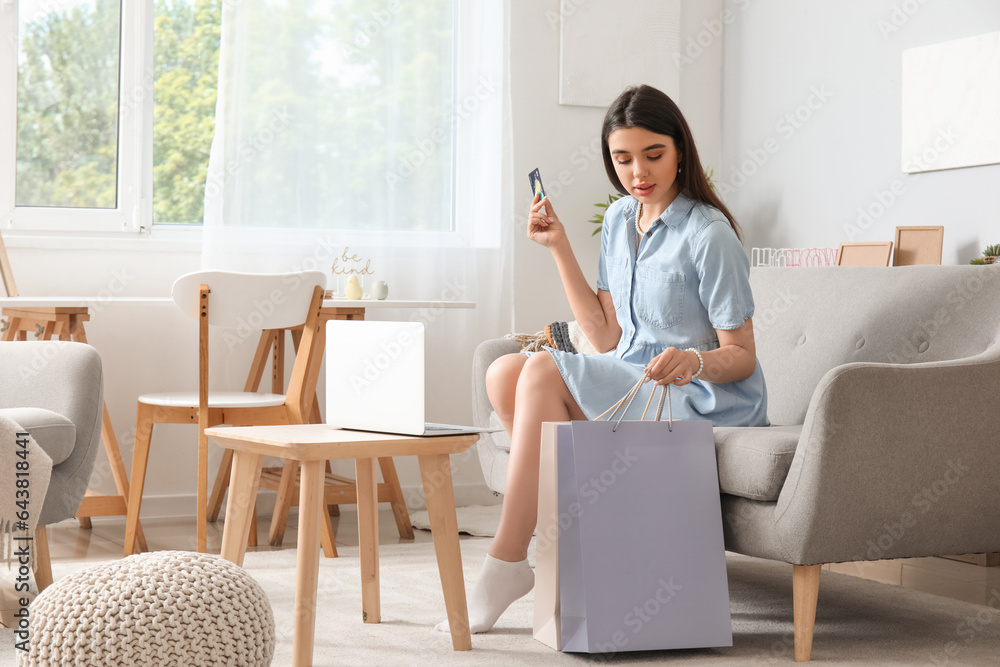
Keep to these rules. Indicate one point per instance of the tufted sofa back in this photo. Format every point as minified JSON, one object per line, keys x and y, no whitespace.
{"x":810,"y":320}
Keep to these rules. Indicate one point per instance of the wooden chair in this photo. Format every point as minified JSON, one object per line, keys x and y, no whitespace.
{"x":244,"y":302}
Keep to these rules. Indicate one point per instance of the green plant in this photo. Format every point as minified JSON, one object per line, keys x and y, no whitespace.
{"x":978,"y":261}
{"x":992,"y":250}
{"x":598,"y":218}
{"x":710,"y":174}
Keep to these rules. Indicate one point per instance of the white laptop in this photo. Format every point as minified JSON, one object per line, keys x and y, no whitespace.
{"x":375,"y":379}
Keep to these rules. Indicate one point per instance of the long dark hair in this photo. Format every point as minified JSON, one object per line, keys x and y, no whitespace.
{"x":653,"y":110}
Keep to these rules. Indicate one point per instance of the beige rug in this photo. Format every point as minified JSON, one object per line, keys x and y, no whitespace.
{"x":859,"y":622}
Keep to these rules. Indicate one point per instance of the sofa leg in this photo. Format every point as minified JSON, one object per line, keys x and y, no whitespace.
{"x":43,"y":564}
{"x":805,"y":591}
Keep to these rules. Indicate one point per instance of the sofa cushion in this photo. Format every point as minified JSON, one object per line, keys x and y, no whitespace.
{"x":55,"y":434}
{"x":754,"y":461}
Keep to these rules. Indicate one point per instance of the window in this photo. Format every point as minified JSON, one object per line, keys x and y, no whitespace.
{"x":186,"y":73}
{"x":341,"y":115}
{"x":105,"y":128}
{"x":67,"y":105}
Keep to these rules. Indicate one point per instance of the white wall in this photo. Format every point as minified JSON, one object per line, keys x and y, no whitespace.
{"x":844,"y":154}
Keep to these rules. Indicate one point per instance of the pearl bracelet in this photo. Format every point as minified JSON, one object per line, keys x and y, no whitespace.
{"x":701,"y":362}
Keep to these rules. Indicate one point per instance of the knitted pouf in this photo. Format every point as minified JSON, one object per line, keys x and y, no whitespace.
{"x":160,"y":608}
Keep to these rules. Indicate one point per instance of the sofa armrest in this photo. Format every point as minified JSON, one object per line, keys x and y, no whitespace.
{"x":66,"y":378}
{"x":896,"y":460}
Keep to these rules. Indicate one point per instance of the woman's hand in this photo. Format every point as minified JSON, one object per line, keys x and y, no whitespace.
{"x":544,"y":226}
{"x":672,"y":366}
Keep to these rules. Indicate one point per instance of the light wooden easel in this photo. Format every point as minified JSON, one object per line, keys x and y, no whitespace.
{"x":66,"y":322}
{"x":6,"y":274}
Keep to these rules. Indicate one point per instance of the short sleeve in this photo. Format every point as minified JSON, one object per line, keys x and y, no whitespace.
{"x":610,"y":216}
{"x":723,"y":274}
{"x":602,"y":261}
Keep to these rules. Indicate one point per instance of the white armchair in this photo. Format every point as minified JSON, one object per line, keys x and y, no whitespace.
{"x":54,"y":391}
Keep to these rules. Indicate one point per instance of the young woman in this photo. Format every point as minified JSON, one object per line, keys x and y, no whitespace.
{"x":673,"y":298}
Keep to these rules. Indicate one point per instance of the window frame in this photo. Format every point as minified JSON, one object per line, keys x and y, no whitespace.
{"x":134,"y":204}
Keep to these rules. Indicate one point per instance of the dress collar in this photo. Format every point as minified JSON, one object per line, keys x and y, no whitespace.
{"x":675,"y":214}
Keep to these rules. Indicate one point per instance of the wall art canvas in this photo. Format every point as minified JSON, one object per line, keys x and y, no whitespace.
{"x":951,"y":104}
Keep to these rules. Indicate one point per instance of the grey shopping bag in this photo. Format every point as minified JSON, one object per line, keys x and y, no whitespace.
{"x":630,"y":551}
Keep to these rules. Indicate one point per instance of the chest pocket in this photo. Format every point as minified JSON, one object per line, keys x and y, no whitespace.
{"x":659,"y":296}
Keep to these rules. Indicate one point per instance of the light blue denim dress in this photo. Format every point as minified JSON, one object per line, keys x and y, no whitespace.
{"x":690,"y":278}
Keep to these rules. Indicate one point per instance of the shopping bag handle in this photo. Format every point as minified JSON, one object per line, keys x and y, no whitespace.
{"x":626,"y":400}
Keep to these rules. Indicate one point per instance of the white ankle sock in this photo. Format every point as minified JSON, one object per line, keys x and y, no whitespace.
{"x":500,"y":583}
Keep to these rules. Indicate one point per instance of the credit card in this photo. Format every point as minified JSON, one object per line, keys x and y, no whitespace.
{"x":535,"y":178}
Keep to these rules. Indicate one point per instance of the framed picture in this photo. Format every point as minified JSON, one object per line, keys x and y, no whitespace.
{"x":918,"y":245}
{"x":6,"y":274}
{"x":874,"y":253}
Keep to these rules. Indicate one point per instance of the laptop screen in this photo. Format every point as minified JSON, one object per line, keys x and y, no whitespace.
{"x":375,"y":375}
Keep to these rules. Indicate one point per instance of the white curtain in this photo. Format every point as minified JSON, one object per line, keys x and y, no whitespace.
{"x":370,"y":136}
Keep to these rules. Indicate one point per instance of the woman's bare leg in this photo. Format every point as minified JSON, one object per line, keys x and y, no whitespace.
{"x":525,"y":391}
{"x":541,"y":395}
{"x":501,"y":384}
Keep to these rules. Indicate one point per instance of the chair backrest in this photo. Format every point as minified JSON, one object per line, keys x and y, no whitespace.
{"x":811,"y":320}
{"x":249,"y":300}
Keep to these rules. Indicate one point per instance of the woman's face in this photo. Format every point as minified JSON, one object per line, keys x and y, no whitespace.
{"x":646,"y":164}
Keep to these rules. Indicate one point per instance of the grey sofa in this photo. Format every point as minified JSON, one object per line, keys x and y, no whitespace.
{"x":54,"y":390}
{"x":883,"y":390}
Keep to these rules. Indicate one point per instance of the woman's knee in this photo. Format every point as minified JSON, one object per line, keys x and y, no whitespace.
{"x":541,"y":372}
{"x":501,"y":381}
{"x":541,"y":377}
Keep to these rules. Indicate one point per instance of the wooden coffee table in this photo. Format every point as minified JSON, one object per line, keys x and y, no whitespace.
{"x":312,"y":445}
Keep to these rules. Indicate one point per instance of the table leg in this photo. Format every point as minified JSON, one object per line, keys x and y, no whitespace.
{"x":329,"y":537}
{"x":307,"y":561}
{"x":243,"y":483}
{"x":435,"y":470}
{"x":221,"y":484}
{"x":367,"y":483}
{"x":399,"y":512}
{"x":282,"y":503}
